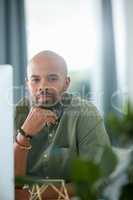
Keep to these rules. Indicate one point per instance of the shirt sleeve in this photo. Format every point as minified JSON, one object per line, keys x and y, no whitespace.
{"x":20,"y":113}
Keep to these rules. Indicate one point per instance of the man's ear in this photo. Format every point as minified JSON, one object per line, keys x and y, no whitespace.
{"x":67,"y":83}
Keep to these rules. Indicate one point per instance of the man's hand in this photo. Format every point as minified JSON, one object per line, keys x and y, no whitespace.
{"x":37,"y":119}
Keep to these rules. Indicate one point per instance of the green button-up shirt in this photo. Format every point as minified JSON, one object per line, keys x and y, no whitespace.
{"x":79,"y":132}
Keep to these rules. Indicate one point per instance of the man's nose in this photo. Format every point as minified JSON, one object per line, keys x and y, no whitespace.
{"x":43,"y":85}
{"x":42,"y":91}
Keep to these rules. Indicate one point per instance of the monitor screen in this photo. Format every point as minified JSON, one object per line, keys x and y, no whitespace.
{"x":6,"y":133}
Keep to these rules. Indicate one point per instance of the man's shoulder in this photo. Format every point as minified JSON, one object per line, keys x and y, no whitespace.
{"x":83,"y":105}
{"x":22,"y":105}
{"x":21,"y":112}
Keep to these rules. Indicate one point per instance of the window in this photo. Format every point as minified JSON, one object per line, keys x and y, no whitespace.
{"x":67,"y":27}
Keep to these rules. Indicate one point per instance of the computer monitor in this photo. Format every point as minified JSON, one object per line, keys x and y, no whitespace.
{"x":6,"y":133}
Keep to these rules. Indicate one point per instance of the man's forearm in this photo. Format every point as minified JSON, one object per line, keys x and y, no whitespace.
{"x":20,"y":156}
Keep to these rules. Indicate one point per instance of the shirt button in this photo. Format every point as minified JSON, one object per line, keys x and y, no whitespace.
{"x":47,"y":177}
{"x":45,"y":155}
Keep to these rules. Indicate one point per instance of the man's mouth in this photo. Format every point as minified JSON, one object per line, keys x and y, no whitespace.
{"x":45,"y":94}
{"x":46,"y":98}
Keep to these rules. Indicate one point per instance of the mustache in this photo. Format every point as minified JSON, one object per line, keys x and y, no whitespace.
{"x":45,"y":92}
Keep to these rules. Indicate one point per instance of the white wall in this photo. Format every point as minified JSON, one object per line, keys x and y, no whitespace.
{"x":129,"y":49}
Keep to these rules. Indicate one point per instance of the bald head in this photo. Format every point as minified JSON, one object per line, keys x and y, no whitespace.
{"x":48,"y":59}
{"x":47,"y":72}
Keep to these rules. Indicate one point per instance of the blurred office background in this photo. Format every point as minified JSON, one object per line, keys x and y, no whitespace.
{"x":94,"y":36}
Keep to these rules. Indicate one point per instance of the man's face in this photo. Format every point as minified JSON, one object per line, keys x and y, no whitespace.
{"x":46,"y":81}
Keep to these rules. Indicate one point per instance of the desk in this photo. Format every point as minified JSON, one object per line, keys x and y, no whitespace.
{"x":21,"y":194}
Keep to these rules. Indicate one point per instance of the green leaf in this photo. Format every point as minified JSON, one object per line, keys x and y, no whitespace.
{"x":108,"y":162}
{"x":85,"y":171}
{"x":85,"y":193}
{"x":122,"y":126}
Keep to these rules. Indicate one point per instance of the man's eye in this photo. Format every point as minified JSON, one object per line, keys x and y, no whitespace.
{"x":35,"y":80}
{"x":52,"y":78}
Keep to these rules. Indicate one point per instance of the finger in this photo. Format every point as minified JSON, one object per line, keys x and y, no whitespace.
{"x":47,"y":118}
{"x":50,"y":113}
{"x":50,"y":119}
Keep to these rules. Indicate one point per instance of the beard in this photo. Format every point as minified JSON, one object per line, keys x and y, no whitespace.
{"x":47,"y":98}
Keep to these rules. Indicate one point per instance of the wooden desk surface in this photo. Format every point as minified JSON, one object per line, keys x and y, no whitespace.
{"x":21,"y":194}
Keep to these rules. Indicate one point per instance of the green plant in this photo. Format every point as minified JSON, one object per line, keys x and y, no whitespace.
{"x":91,"y":178}
{"x":122,"y":126}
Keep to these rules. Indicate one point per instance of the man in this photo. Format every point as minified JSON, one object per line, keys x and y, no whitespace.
{"x":53,"y":126}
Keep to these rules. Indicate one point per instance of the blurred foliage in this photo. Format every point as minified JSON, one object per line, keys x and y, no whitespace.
{"x":90,"y":178}
{"x":127,"y":190}
{"x":85,"y":174}
{"x":123,"y":126}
